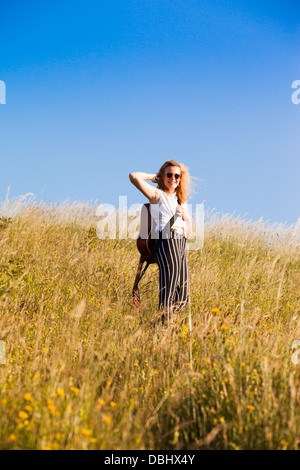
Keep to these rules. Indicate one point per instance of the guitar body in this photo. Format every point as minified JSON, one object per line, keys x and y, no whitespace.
{"x":144,"y":241}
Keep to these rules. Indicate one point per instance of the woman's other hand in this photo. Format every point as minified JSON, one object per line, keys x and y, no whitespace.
{"x":181,"y":212}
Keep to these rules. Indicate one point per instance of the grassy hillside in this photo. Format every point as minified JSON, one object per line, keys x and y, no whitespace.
{"x":84,"y":368}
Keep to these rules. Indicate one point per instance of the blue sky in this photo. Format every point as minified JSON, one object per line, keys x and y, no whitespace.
{"x":97,"y":89}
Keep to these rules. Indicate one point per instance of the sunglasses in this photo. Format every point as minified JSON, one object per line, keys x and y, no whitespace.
{"x":177,"y":176}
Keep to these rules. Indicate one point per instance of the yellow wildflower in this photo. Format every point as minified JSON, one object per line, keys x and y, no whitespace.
{"x":23,"y":414}
{"x":215,"y":310}
{"x":250,"y":408}
{"x":52,"y":409}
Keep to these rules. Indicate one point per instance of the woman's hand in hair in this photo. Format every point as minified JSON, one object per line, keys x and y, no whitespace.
{"x":154,"y":178}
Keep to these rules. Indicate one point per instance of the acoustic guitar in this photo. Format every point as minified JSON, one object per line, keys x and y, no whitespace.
{"x":144,"y":241}
{"x":145,"y":245}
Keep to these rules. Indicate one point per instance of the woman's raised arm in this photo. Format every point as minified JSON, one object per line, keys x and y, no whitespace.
{"x":138,"y":179}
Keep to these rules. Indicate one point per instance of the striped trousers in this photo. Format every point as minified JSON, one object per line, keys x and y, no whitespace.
{"x":173,"y":274}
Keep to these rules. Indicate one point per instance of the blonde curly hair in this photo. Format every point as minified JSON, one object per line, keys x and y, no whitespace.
{"x":183,"y":189}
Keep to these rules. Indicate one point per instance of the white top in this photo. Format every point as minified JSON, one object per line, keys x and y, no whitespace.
{"x":163,"y":211}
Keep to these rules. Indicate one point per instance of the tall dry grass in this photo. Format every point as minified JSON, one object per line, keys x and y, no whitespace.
{"x":85,"y":369}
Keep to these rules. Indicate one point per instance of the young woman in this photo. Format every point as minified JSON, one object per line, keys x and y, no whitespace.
{"x":169,"y":198}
